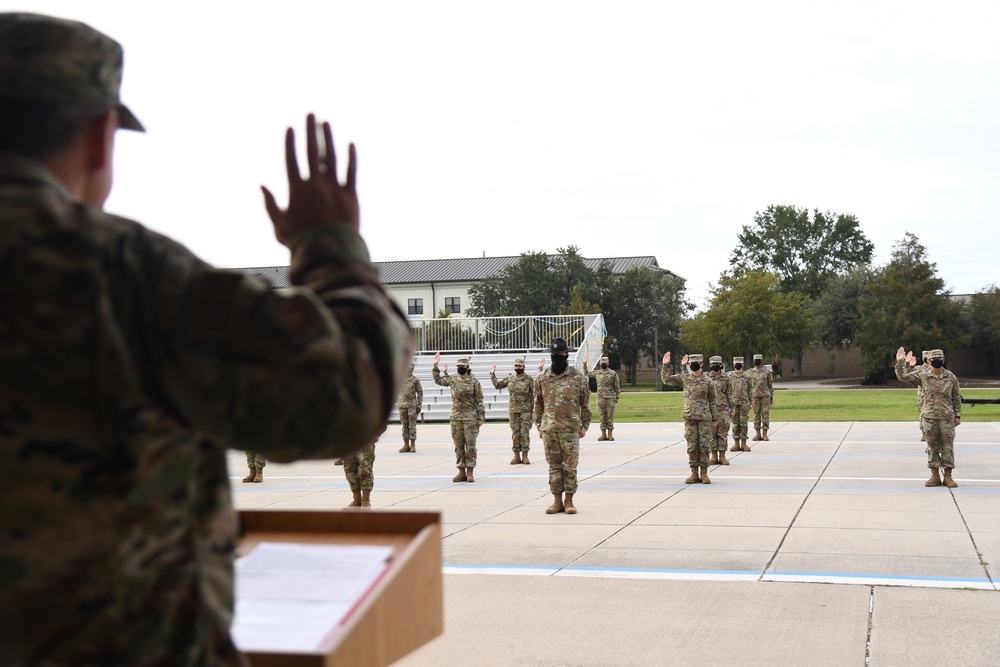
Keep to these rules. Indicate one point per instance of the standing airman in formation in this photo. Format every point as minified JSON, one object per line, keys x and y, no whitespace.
{"x":609,"y":390}
{"x":256,"y":463}
{"x":411,"y":398}
{"x":740,"y":383}
{"x":724,"y":410}
{"x":360,"y":474}
{"x":521,"y":387}
{"x":467,"y":414}
{"x":700,"y":413}
{"x":761,"y":397}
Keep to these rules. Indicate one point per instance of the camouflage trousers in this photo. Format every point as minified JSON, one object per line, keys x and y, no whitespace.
{"x":606,"y":406}
{"x":698,"y":433}
{"x":255,"y":460}
{"x":761,"y":412}
{"x":562,"y":453}
{"x":940,"y":442}
{"x":520,"y":430}
{"x":358,"y":469}
{"x":408,"y":418}
{"x":464,"y":434}
{"x":742,"y":412}
{"x":720,"y":434}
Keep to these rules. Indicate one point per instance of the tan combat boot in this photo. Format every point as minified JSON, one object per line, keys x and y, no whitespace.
{"x":524,"y":457}
{"x":338,"y":462}
{"x":704,"y":475}
{"x":756,"y":435}
{"x":764,"y":437}
{"x":715,"y":458}
{"x":405,"y":448}
{"x":413,"y":445}
{"x":357,"y":499}
{"x":722,"y":458}
{"x":923,"y":437}
{"x":603,"y":436}
{"x":570,"y":508}
{"x":366,"y":498}
{"x":258,"y":475}
{"x":517,"y":458}
{"x":468,"y":475}
{"x":249,"y":478}
{"x":935,"y":479}
{"x":611,"y":434}
{"x":743,"y":446}
{"x":736,"y":445}
{"x":948,"y":481}
{"x":694,"y":478}
{"x":460,"y":477}
{"x":556,"y":506}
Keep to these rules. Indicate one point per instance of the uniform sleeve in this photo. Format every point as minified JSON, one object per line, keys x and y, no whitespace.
{"x":585,"y":413}
{"x":420,"y":395}
{"x":438,"y":378}
{"x":956,"y":398}
{"x":480,"y":406}
{"x":531,"y":397}
{"x":770,"y":387}
{"x":539,"y":403}
{"x":618,"y":387}
{"x":307,"y":372}
{"x":677,"y":379}
{"x":499,"y":384}
{"x":911,"y":377}
{"x":712,"y":398}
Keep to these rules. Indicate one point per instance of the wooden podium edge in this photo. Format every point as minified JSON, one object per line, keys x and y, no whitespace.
{"x":405,"y":608}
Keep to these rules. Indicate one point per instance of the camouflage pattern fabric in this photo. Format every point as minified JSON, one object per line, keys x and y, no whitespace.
{"x":761,"y":396}
{"x":466,"y":395}
{"x":255,"y":460}
{"x":520,"y":428}
{"x":609,"y":391}
{"x":941,"y":406}
{"x":358,"y":469}
{"x":522,"y":402}
{"x":739,"y":383}
{"x":700,"y":399}
{"x":606,"y":409}
{"x":940,"y":442}
{"x":562,"y":453}
{"x":129,"y":366}
{"x":463,"y":434}
{"x":562,"y":402}
{"x":409,"y":403}
{"x":699,"y":437}
{"x":408,"y":420}
{"x":724,"y":406}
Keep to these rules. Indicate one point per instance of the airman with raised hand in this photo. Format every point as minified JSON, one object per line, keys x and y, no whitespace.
{"x":521,"y":387}
{"x":467,"y":414}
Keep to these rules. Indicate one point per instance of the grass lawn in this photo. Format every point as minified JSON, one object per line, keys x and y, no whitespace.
{"x":833,"y":405}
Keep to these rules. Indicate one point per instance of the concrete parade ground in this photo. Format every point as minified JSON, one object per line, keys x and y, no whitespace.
{"x":820,"y":547}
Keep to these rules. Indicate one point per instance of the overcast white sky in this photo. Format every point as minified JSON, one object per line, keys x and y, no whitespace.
{"x":626,"y":128}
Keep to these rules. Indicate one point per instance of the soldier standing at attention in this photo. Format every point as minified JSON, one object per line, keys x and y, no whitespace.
{"x":129,"y":367}
{"x":360,"y":473}
{"x":521,"y":387}
{"x":724,"y":409}
{"x":609,"y":390}
{"x":467,"y":414}
{"x":761,"y":397}
{"x":411,"y":399}
{"x":940,"y":412}
{"x":562,"y":415}
{"x":740,"y":383}
{"x":256,"y":464}
{"x":700,"y":413}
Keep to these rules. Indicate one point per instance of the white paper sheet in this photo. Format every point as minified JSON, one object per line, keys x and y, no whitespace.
{"x":289,"y":597}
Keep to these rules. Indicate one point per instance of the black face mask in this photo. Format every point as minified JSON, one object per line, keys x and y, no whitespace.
{"x":462,"y":370}
{"x":937,"y":363}
{"x":739,"y":367}
{"x":716,"y":368}
{"x":695,"y":366}
{"x":518,"y":370}
{"x":604,"y":365}
{"x":559,"y":363}
{"x":757,"y":362}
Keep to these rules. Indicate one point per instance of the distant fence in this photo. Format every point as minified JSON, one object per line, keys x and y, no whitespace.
{"x":506,"y":334}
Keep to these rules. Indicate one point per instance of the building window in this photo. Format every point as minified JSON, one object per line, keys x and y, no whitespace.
{"x":414,"y":306}
{"x":452,"y":304}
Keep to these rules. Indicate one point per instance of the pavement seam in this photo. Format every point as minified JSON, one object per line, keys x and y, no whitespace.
{"x":979,"y":554}
{"x":803,"y":503}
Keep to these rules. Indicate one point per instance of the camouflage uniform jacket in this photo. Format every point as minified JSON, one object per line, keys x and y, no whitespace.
{"x":740,"y":383}
{"x":521,"y":388}
{"x":466,"y":395}
{"x":723,"y":392}
{"x":700,"y":398}
{"x":562,"y":402}
{"x":760,"y":383}
{"x":412,"y":395}
{"x":609,"y":385}
{"x":942,"y":397}
{"x":127,"y":367}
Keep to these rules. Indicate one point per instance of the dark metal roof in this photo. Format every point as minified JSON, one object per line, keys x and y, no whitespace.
{"x":469,"y":269}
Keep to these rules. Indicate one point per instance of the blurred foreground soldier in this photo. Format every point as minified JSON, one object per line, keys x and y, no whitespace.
{"x":562,"y":415}
{"x":522,"y":401}
{"x":740,"y":383}
{"x":467,"y":414}
{"x":360,"y":474}
{"x":256,"y":464}
{"x":723,"y":409}
{"x":128,"y":366}
{"x":609,"y":390}
{"x":940,"y":412}
{"x":700,"y":413}
{"x":411,"y":399}
{"x":761,"y":397}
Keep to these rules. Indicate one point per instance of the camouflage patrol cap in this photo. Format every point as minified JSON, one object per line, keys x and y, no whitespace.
{"x":737,"y":360}
{"x":604,"y":360}
{"x":463,"y":361}
{"x":715,"y":360}
{"x":695,"y":357}
{"x":923,"y":355}
{"x":559,"y":346}
{"x":46,"y":59}
{"x":519,"y":362}
{"x":935,"y":354}
{"x":758,"y":356}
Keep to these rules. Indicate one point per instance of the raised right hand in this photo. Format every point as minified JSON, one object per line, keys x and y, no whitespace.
{"x":437,"y":358}
{"x":900,"y":354}
{"x":493,"y":369}
{"x":666,"y":358}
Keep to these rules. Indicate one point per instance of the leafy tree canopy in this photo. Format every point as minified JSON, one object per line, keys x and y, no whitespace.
{"x":837,"y":308}
{"x":984,"y":324}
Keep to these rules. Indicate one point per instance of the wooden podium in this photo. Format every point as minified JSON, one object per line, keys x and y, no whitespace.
{"x":403,"y":611}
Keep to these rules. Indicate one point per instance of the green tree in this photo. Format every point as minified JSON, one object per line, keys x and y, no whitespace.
{"x":984,"y":325}
{"x":837,"y":308}
{"x":749,"y":314}
{"x":805,"y":252}
{"x":906,"y":304}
